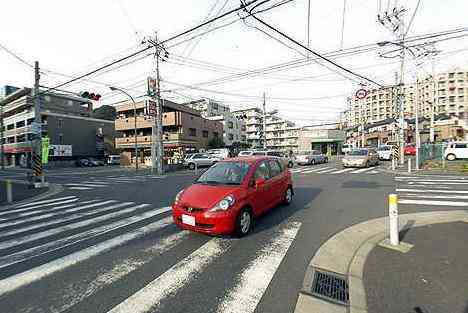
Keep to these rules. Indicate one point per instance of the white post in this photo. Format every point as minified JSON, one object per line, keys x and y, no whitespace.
{"x":409,"y":165}
{"x":9,"y":191}
{"x":196,"y":168}
{"x":393,"y":163}
{"x":393,"y":216}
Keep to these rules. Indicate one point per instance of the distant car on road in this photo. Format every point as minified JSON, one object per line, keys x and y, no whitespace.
{"x":311,"y":157}
{"x":113,"y":160}
{"x":231,"y":194}
{"x":199,"y":160}
{"x":456,"y":150}
{"x":83,"y":163}
{"x":362,"y":157}
{"x":96,"y":162}
{"x":286,"y":159}
{"x":410,"y":149}
{"x":345,"y":148}
{"x":385,"y":152}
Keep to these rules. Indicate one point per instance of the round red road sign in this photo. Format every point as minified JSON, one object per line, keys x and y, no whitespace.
{"x":361,"y":93}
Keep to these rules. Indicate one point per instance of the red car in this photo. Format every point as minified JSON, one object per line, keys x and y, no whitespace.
{"x":410,"y":149}
{"x":230,"y":194}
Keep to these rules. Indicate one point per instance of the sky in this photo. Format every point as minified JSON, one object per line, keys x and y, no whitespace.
{"x":70,"y":38}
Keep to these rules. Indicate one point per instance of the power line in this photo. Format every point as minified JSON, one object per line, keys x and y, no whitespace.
{"x":412,"y":17}
{"x":16,"y":56}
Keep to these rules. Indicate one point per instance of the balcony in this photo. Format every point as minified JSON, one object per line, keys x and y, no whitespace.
{"x":129,"y":123}
{"x":124,"y":142}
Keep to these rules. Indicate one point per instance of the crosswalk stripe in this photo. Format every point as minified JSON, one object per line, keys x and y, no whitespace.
{"x":342,"y":171}
{"x":44,"y":201}
{"x":16,"y":281}
{"x":173,"y":279}
{"x":461,"y":181}
{"x":325,"y":171}
{"x":433,"y":202}
{"x":362,"y":170}
{"x":85,"y":185}
{"x":433,"y":183}
{"x":408,"y":195}
{"x":79,"y":237}
{"x":24,"y":217}
{"x":58,"y":220}
{"x":254,"y":280}
{"x":46,"y":233}
{"x":315,"y":170}
{"x":374,"y":172}
{"x":6,"y":212}
{"x":421,"y":186}
{"x":80,"y":188}
{"x":96,"y":183}
{"x":431,"y":190}
{"x":86,"y":288}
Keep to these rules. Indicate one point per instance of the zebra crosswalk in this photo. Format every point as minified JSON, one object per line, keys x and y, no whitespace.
{"x":44,"y":238}
{"x":433,"y":191}
{"x":330,"y":170}
{"x":109,"y":181}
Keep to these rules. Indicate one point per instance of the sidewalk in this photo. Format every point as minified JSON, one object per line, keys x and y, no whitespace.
{"x":432,"y":277}
{"x":21,"y":192}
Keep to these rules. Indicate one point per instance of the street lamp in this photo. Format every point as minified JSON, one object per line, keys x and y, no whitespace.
{"x":135,"y":122}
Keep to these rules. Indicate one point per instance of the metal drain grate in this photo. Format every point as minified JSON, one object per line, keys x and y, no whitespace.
{"x":330,"y":287}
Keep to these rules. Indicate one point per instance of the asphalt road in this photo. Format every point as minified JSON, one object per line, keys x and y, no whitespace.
{"x":107,"y":244}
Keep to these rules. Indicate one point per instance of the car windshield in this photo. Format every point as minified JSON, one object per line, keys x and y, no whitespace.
{"x":225,"y":173}
{"x":302,"y":153}
{"x":245,"y":153}
{"x":358,"y":152}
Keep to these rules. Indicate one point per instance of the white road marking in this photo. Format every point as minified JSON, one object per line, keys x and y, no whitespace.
{"x":342,"y":171}
{"x":429,"y":202}
{"x":44,"y":201}
{"x":297,"y":170}
{"x":362,"y":170}
{"x":80,"y":188}
{"x":435,"y":176}
{"x":409,"y":195}
{"x":462,"y":181}
{"x":37,"y":206}
{"x":326,"y":170}
{"x":421,"y":182}
{"x":374,"y":172}
{"x":315,"y":170}
{"x":11,"y":283}
{"x":254,"y":280}
{"x":421,"y":186}
{"x":50,"y":232}
{"x":173,"y":279}
{"x":73,"y":239}
{"x":77,"y":291}
{"x":85,"y":185}
{"x":431,"y":190}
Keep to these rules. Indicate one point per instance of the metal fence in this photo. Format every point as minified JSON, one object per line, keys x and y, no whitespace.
{"x":434,"y":152}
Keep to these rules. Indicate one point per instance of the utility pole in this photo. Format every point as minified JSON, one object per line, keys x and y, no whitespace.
{"x":435,"y":99}
{"x":416,"y":121}
{"x":401,"y":95}
{"x":2,"y":144}
{"x":264,"y":123}
{"x":157,"y":150}
{"x":36,"y":143}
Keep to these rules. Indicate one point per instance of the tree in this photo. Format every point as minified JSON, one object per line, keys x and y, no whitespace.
{"x":216,"y":143}
{"x":105,"y":112}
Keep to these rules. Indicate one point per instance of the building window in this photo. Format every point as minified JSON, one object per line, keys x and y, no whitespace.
{"x":451,"y":75}
{"x":60,"y":139}
{"x":230,"y":125}
{"x":20,"y":124}
{"x":205,"y":134}
{"x":192,"y":132}
{"x":60,"y":123}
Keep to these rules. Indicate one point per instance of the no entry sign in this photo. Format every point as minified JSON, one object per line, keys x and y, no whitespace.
{"x":361,"y":93}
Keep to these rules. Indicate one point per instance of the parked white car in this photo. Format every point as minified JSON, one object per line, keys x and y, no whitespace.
{"x":199,"y":160}
{"x":345,"y":148}
{"x":385,"y":152}
{"x":456,"y":150}
{"x":219,"y":153}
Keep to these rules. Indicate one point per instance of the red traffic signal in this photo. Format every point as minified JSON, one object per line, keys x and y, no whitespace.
{"x":90,"y":96}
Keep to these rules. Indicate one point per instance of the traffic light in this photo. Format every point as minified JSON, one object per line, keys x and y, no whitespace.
{"x":90,"y":95}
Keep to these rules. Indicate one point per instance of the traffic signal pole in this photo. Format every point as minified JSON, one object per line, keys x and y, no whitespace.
{"x":264,"y":123}
{"x":37,"y":171}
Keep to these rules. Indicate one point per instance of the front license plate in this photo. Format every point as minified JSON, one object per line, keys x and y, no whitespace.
{"x":189,"y":220}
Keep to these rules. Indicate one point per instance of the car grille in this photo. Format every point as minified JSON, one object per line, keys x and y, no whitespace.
{"x":192,"y":210}
{"x":201,"y":225}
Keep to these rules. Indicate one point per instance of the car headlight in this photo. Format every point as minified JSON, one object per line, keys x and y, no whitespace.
{"x":224,"y":204}
{"x":177,"y":197}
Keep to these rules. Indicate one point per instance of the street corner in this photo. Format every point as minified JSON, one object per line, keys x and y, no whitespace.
{"x":359,"y":268}
{"x":16,"y":192}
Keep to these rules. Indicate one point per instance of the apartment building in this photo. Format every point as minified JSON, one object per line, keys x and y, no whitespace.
{"x":447,"y":94}
{"x":281,"y":134}
{"x":253,"y":118}
{"x":208,"y":107}
{"x":66,"y":119}
{"x":184,"y":131}
{"x":233,"y":128}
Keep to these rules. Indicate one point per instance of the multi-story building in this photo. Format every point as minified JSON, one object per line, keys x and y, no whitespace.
{"x":208,"y":107}
{"x":448,"y":94}
{"x":66,"y":119}
{"x":233,"y":128}
{"x":184,"y":130}
{"x":253,"y":118}
{"x":281,"y":134}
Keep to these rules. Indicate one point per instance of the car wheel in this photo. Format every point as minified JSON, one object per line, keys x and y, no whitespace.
{"x":288,"y":196}
{"x":451,"y":157}
{"x":367,"y":164}
{"x":243,"y":222}
{"x":191,"y":166}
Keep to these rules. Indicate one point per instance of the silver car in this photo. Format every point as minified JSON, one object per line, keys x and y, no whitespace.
{"x":361,"y":158}
{"x":311,"y":158}
{"x":199,"y":160}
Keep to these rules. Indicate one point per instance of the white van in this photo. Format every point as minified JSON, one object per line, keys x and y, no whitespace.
{"x":456,"y":150}
{"x":219,"y":153}
{"x":113,"y":160}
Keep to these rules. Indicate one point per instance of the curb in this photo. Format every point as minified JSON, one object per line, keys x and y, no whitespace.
{"x":346,"y":252}
{"x":53,"y":190}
